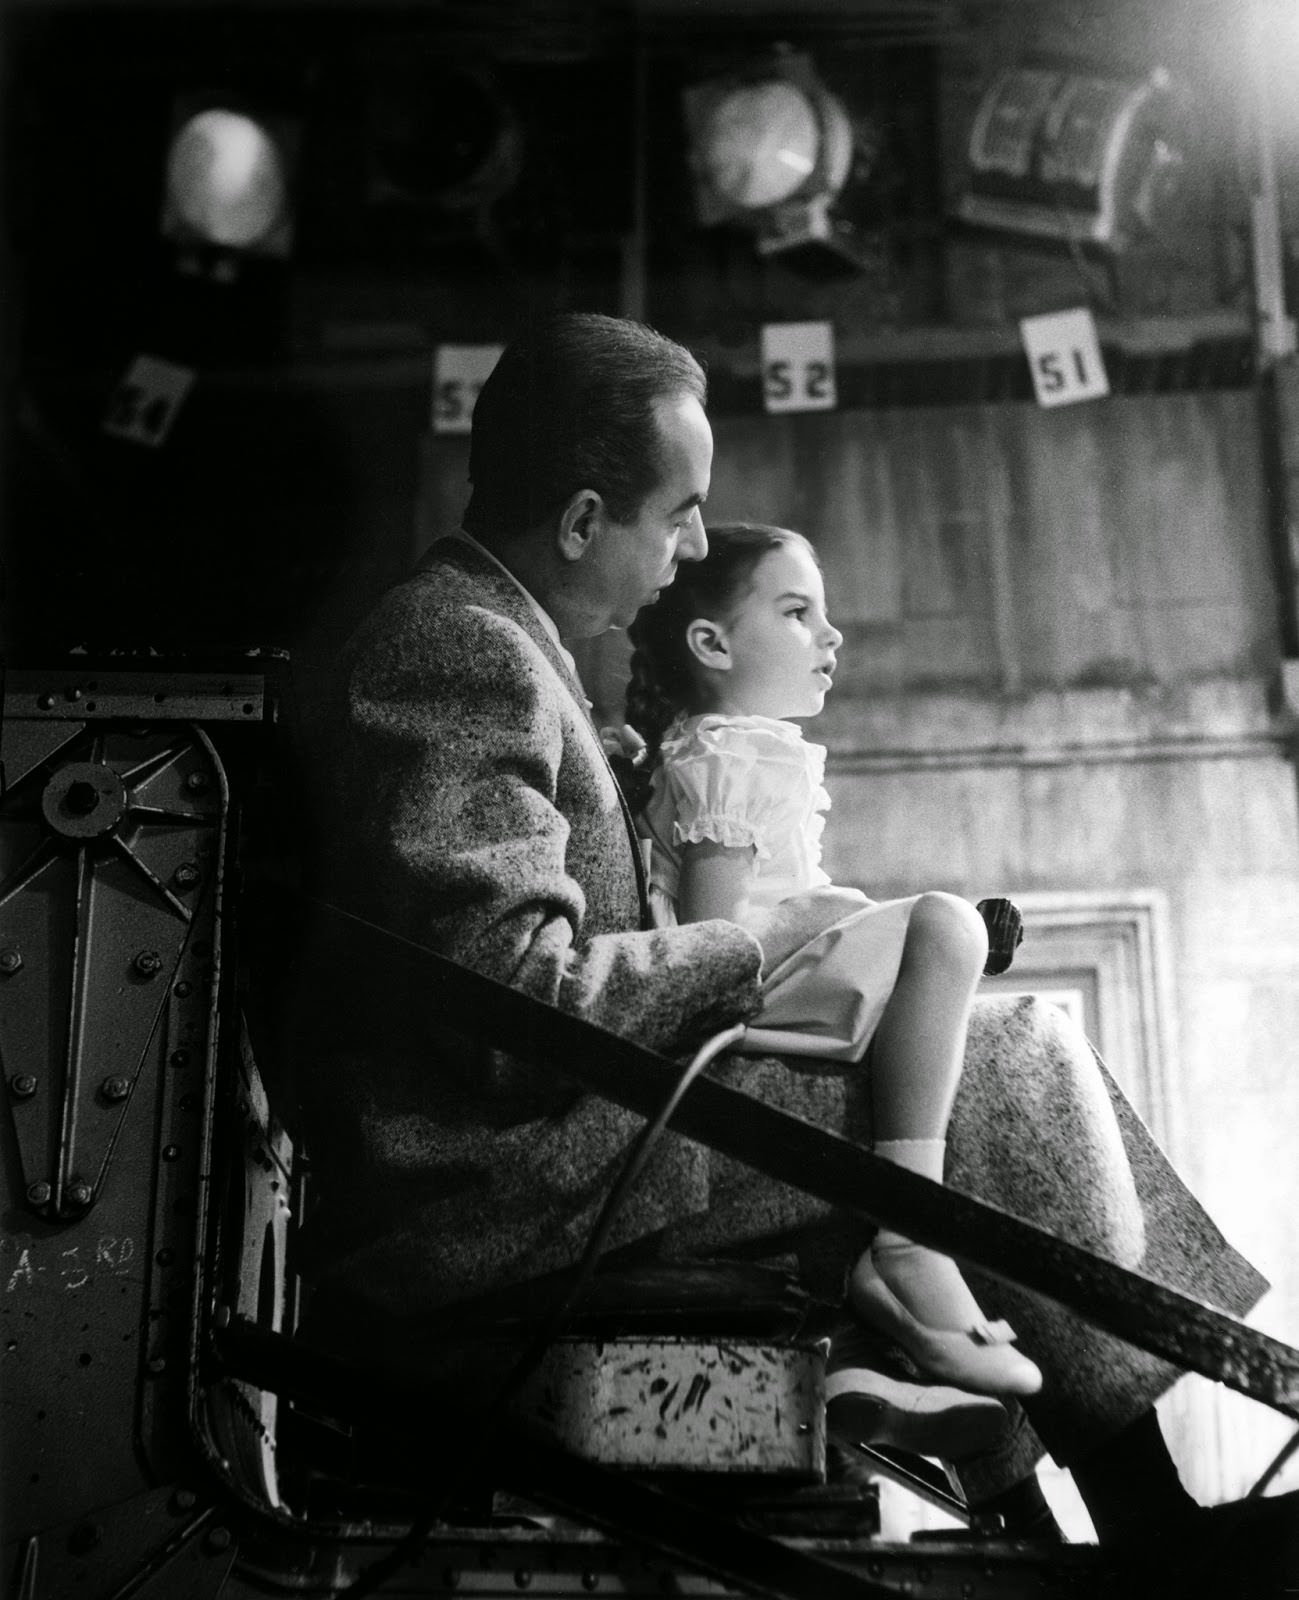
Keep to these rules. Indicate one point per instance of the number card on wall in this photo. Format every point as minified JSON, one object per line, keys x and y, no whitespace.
{"x":144,"y":405}
{"x":798,"y":366}
{"x":1064,"y":355}
{"x":459,"y":372}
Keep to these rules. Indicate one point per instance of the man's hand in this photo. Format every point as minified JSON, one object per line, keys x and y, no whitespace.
{"x":1005,"y":932}
{"x":788,"y":926}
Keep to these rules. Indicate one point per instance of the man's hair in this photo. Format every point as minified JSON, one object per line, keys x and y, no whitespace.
{"x":570,"y":406}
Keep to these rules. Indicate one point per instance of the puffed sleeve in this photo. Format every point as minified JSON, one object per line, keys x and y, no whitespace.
{"x":734,"y":781}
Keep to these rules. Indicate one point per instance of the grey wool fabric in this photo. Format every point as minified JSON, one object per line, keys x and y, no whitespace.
{"x":472,"y":810}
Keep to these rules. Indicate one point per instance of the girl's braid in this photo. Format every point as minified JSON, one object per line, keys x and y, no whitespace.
{"x":651,"y":703}
{"x":658,"y":689}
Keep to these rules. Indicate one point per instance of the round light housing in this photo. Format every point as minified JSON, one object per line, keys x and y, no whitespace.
{"x":225,"y":179}
{"x":760,"y":144}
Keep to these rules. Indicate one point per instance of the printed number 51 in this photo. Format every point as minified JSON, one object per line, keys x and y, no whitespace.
{"x":1052,"y":367}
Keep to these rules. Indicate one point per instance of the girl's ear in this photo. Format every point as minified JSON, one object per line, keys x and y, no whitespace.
{"x":708,"y":644}
{"x":579,"y":522}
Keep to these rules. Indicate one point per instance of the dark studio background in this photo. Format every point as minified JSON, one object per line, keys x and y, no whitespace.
{"x":291,"y":471}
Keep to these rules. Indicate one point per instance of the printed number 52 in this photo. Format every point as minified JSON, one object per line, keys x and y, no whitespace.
{"x":779,"y":383}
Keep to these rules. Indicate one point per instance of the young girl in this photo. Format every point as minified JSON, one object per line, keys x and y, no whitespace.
{"x":735,"y":649}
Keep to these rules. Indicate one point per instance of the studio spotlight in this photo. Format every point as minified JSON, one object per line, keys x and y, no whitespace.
{"x":1064,"y":154}
{"x":228,"y":182}
{"x":772,"y":150}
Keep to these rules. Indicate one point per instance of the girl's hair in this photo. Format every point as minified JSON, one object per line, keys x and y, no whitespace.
{"x":662,"y":677}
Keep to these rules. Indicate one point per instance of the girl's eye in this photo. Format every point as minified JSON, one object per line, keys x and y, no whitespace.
{"x":797,"y":611}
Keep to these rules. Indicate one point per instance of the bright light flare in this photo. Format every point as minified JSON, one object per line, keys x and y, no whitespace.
{"x":225,"y":178}
{"x":760,"y":144}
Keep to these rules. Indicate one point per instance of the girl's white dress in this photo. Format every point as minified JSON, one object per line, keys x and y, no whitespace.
{"x":755,"y":781}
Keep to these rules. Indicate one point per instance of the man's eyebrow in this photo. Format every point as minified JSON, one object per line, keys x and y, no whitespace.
{"x":690,"y":500}
{"x":793,"y":594}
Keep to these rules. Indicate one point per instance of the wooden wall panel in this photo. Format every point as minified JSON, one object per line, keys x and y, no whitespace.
{"x":756,"y":473}
{"x":851,"y":501}
{"x":1007,"y":547}
{"x":1064,"y":481}
{"x":1002,"y":549}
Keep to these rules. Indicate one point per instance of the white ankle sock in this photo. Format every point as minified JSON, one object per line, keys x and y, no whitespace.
{"x":930,"y":1285}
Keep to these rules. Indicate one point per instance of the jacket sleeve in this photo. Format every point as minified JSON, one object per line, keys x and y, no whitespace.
{"x":454,"y":747}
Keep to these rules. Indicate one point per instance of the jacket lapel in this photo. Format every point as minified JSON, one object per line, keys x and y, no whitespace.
{"x":503,"y":594}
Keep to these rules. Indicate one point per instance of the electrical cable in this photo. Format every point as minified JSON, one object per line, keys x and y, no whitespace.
{"x":412,"y":1543}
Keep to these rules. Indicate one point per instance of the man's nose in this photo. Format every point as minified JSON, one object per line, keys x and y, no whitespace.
{"x":832,"y":635}
{"x":693,"y":544}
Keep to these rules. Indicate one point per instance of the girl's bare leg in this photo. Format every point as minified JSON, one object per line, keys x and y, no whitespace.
{"x":916,"y":1060}
{"x":919,"y":1045}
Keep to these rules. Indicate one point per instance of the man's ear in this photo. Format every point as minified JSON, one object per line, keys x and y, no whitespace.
{"x":579,"y":522}
{"x":707,"y":643}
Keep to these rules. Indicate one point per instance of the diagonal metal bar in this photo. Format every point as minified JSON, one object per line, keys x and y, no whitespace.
{"x":162,"y":814}
{"x":914,"y":1473}
{"x":151,"y":877}
{"x":151,"y":766}
{"x":75,"y":1045}
{"x":1156,"y":1318}
{"x":1273,"y":1469}
{"x":170,"y":1548}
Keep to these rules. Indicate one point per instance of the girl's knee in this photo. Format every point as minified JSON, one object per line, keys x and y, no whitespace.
{"x":949,"y":929}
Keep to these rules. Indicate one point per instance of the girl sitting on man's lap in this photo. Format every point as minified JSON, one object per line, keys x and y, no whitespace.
{"x":735,"y":649}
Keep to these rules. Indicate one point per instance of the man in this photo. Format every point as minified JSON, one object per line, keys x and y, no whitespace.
{"x":475,"y":813}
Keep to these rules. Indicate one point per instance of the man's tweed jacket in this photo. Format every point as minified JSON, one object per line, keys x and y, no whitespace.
{"x":474,"y":811}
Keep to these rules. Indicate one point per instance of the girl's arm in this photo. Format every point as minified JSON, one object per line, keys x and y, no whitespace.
{"x":714,"y":880}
